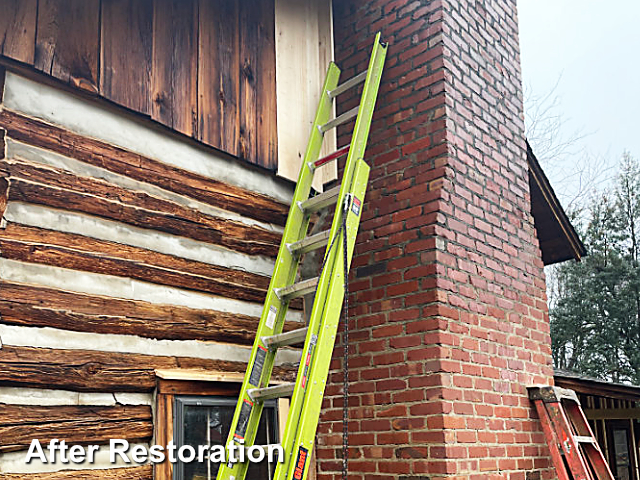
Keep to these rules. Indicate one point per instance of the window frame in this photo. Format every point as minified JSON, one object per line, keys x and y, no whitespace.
{"x":180,"y":401}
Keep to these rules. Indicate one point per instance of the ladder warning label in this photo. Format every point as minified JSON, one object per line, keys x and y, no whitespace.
{"x":258,"y":365}
{"x":301,"y":461}
{"x":243,"y":420}
{"x":355,"y":206}
{"x":307,"y":363}
{"x":271,"y":316}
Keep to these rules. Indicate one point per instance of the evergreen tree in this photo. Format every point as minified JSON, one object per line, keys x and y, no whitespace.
{"x":595,"y":319}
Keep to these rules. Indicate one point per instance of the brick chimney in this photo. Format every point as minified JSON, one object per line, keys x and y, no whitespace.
{"x":448,"y":310}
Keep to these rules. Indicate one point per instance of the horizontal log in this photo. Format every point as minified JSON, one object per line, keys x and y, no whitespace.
{"x":144,"y":472}
{"x":94,"y":371}
{"x":48,"y":247}
{"x":76,"y":424}
{"x":59,"y":189}
{"x":118,"y":160}
{"x":4,"y":194}
{"x":29,"y":305}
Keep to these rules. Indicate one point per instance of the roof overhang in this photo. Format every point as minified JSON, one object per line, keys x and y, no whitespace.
{"x":557,"y":237}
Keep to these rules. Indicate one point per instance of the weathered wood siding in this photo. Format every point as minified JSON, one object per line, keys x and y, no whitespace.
{"x":205,"y":68}
{"x":123,"y":250}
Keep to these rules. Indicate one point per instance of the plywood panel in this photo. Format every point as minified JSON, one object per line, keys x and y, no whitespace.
{"x":18,"y":29}
{"x":67,"y":43}
{"x":126,"y":46}
{"x":218,"y":70}
{"x":304,"y":48}
{"x":175,"y":64}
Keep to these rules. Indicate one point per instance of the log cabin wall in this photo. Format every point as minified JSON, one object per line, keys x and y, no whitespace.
{"x":123,"y":249}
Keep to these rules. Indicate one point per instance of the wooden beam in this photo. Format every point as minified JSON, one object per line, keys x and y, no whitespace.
{"x":598,"y":388}
{"x":226,"y":233}
{"x":37,"y":306}
{"x":4,"y":195}
{"x":20,"y":424}
{"x":94,"y":371}
{"x":186,"y":387}
{"x":144,"y":472}
{"x":140,"y":209}
{"x":164,"y":434}
{"x":118,"y":160}
{"x":612,"y":413}
{"x":48,"y":247}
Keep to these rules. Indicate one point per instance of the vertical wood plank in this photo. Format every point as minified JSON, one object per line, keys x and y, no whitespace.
{"x":18,"y":29}
{"x":126,"y":47}
{"x":175,"y":64}
{"x":164,"y":434}
{"x":67,"y":41}
{"x":266,"y":121}
{"x":218,"y":69}
{"x":250,"y":16}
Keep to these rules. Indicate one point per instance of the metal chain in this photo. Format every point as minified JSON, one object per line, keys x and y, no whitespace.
{"x":345,"y":354}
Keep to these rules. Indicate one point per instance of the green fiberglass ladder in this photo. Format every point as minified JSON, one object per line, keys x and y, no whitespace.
{"x":329,"y":287}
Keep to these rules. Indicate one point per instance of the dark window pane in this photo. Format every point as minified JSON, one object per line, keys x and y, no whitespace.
{"x":206,"y":421}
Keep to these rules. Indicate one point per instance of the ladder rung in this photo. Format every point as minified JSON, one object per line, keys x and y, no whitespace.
{"x":297,"y":290}
{"x":345,"y":117}
{"x":310,"y":243}
{"x":332,"y":156}
{"x":264,"y":447}
{"x":352,"y":82}
{"x":584,"y":439}
{"x":320,"y":201}
{"x":285,"y":339}
{"x":267,"y":393}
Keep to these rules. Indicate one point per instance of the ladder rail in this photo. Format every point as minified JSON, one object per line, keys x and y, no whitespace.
{"x":306,"y":403}
{"x":573,"y":446}
{"x":308,"y":389}
{"x":284,"y":274}
{"x":307,"y":413}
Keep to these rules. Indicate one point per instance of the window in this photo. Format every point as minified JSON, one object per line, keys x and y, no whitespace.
{"x":195,"y":408}
{"x":206,"y":421}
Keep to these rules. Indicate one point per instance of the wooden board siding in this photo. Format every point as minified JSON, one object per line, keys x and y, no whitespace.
{"x":218,"y":70}
{"x":18,"y":29}
{"x":174,"y":86}
{"x":67,"y":41}
{"x":204,"y":68}
{"x":144,"y":472}
{"x":126,"y":44}
{"x":77,"y":424}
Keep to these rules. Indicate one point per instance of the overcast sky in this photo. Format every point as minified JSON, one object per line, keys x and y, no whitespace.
{"x":591,"y":49}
